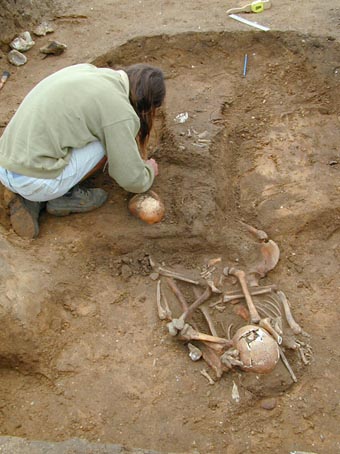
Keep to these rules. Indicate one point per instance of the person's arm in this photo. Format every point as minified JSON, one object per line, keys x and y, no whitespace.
{"x":126,"y":166}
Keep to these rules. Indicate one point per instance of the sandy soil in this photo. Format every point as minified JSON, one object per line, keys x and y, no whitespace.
{"x":83,"y":353}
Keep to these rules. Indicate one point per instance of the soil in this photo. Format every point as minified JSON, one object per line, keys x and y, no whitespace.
{"x":83,"y":353}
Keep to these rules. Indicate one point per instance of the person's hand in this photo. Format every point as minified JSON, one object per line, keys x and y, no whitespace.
{"x":153,"y":164}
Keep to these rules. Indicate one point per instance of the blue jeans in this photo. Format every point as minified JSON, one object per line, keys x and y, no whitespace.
{"x":82,"y":161}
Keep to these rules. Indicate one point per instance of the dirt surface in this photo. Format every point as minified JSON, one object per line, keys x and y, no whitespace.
{"x":83,"y":353}
{"x":17,"y":15}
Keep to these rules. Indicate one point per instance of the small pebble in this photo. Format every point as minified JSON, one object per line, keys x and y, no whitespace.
{"x":154,"y":276}
{"x":126,"y":272}
{"x":269,"y":404}
{"x":44,"y":28}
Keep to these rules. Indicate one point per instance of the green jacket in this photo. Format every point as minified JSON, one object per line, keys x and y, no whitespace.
{"x":69,"y":109}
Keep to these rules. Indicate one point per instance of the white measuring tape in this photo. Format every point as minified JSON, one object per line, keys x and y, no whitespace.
{"x":248,"y":22}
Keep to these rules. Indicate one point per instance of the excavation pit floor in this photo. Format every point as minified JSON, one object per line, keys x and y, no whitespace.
{"x":83,"y":353}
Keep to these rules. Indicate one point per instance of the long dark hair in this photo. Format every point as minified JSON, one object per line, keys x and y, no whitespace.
{"x":147,"y":92}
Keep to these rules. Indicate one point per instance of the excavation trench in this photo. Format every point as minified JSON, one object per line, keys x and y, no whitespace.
{"x":251,"y":146}
{"x":83,"y":353}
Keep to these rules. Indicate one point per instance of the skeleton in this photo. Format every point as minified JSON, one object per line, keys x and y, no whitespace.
{"x":265,"y":305}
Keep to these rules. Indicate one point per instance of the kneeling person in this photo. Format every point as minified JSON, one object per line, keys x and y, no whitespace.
{"x":68,"y":127}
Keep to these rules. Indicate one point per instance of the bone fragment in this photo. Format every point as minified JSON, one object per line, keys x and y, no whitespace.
{"x":214,"y":261}
{"x":180,"y":277}
{"x":233,"y":352}
{"x":234,"y":393}
{"x":152,"y":262}
{"x":208,"y":272}
{"x":219,"y":308}
{"x":178,"y":293}
{"x":278,"y":325}
{"x":161,"y":311}
{"x":286,"y":363}
{"x":270,"y":255}
{"x":210,"y":283}
{"x":169,"y":273}
{"x":305,"y":352}
{"x":212,"y":358}
{"x":207,"y":376}
{"x":225,"y":361}
{"x":264,"y":310}
{"x":295,"y":327}
{"x":218,"y":348}
{"x":227,"y":297}
{"x":256,"y":290}
{"x":265,"y":323}
{"x":205,"y":312}
{"x":289,"y":342}
{"x":303,"y":356}
{"x":241,"y":276}
{"x":273,"y":304}
{"x":166,"y":305}
{"x":200,"y":300}
{"x":176,"y":325}
{"x":230,"y":361}
{"x":258,"y":234}
{"x":189,"y":333}
{"x":230,"y":327}
{"x":216,"y":303}
{"x":188,"y":311}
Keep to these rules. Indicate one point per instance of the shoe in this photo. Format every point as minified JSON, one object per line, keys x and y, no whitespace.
{"x":8,"y":197}
{"x":78,"y":200}
{"x":24,"y":216}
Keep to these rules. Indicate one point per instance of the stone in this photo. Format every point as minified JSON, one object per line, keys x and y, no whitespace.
{"x":268,"y":404}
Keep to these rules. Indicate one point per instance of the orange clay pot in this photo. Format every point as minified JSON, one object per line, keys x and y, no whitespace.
{"x":147,"y":206}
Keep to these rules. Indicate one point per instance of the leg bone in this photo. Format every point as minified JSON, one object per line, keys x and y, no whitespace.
{"x":205,"y":312}
{"x":296,"y":328}
{"x":161,"y":311}
{"x":254,"y":315}
{"x":188,"y":333}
